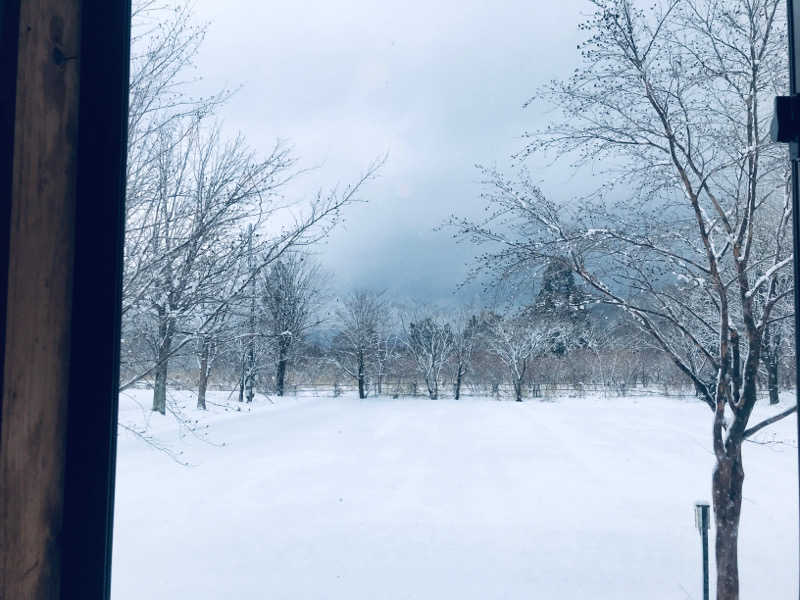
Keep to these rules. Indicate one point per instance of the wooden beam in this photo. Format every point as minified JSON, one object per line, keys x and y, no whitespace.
{"x":37,"y":340}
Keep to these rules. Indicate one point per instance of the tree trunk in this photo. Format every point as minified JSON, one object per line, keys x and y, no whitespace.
{"x":772,"y":379}
{"x":162,"y":358}
{"x":242,"y":377}
{"x":362,"y":387}
{"x":202,"y":384}
{"x":457,"y":390}
{"x":770,"y":356}
{"x":160,"y":388}
{"x":433,"y":389}
{"x":280,"y":375}
{"x":519,"y":379}
{"x":251,"y":391}
{"x":251,"y":372}
{"x":727,"y":493}
{"x":518,"y":390}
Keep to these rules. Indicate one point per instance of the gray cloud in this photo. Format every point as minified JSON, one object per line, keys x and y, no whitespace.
{"x":439,"y":85}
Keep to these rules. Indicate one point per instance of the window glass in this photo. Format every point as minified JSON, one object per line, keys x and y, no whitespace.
{"x":457,"y":299}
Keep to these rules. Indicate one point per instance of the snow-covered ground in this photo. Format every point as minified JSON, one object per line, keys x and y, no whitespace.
{"x":323,"y":498}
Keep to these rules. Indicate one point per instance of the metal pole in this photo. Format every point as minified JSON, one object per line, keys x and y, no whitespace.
{"x":705,"y":555}
{"x":702,"y":522}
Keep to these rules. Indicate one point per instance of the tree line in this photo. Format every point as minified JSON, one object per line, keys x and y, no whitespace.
{"x":287,"y":332}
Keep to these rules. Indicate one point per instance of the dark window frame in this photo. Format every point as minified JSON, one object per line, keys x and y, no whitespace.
{"x":96,"y":301}
{"x":793,"y":18}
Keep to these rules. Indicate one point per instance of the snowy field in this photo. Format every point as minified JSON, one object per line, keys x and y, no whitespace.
{"x":380,"y":499}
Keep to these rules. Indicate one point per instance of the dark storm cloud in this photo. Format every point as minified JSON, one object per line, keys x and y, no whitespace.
{"x":437,"y":85}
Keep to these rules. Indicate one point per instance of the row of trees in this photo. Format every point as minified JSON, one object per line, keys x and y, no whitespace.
{"x":286,"y":333}
{"x":209,"y":219}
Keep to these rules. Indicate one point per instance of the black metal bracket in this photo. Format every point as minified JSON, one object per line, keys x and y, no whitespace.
{"x":785,"y":126}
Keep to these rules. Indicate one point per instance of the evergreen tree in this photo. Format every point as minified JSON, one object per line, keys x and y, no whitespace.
{"x":562,"y":305}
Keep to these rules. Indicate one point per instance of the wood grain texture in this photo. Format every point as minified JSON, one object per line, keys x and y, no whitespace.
{"x":41,"y":244}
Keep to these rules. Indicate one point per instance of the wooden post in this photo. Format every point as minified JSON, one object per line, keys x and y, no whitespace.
{"x":39,"y":293}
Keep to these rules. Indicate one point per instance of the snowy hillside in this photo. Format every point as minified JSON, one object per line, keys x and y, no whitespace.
{"x":323,"y":498}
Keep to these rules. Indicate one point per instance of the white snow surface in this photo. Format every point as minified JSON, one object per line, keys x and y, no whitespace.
{"x":340,"y":498}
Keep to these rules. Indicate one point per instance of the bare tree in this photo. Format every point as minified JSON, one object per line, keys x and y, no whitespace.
{"x":213,"y":325}
{"x":290,"y":296}
{"x":164,"y":45}
{"x":207,"y":351}
{"x":210,"y":339}
{"x":207,"y":191}
{"x":465,"y":327}
{"x":429,"y":340}
{"x":384,"y":358}
{"x":360,"y":316}
{"x":676,"y":98}
{"x":519,"y":338}
{"x":778,"y":332}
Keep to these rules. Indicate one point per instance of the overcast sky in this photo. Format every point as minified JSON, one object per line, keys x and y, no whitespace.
{"x":439,"y":85}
